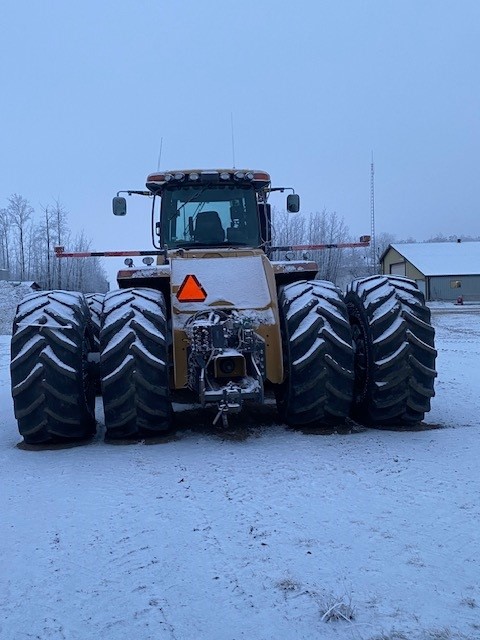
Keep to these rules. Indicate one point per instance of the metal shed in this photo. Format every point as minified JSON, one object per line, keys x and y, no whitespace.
{"x":442,"y":270}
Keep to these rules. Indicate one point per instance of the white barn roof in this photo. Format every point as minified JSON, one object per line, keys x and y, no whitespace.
{"x":442,"y":258}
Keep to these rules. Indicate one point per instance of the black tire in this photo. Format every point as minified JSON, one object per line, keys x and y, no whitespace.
{"x":95,"y":303}
{"x":53,"y":394}
{"x":394,"y":351}
{"x":134,"y":364}
{"x":317,"y":355}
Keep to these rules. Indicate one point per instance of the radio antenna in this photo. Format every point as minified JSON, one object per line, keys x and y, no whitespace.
{"x":373,"y":247}
{"x":233,"y":139}
{"x":160,"y":154}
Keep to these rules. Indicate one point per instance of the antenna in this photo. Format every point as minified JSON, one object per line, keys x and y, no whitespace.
{"x":372,"y":217}
{"x":160,"y":154}
{"x":233,"y":139}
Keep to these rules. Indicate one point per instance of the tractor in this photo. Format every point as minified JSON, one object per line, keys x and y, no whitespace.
{"x":211,"y":315}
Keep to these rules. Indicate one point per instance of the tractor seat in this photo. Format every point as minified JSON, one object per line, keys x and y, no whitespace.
{"x":208,"y":228}
{"x":236,"y":234}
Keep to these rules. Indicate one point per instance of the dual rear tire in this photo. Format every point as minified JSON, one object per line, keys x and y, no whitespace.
{"x":317,"y":355}
{"x":54,"y":376}
{"x":369,"y":355}
{"x":394,"y":351}
{"x":134,"y":364}
{"x":52,"y":388}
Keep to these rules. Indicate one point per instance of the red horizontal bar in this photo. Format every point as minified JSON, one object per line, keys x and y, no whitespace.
{"x":60,"y":253}
{"x":315,"y":247}
{"x":103,"y":254}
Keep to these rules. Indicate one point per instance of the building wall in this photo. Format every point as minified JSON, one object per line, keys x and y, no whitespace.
{"x":442,"y":287}
{"x":391,"y":264}
{"x":433,"y":287}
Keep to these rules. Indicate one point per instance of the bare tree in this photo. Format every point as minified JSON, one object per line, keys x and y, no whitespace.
{"x":382,"y":242}
{"x":27,"y":248}
{"x":440,"y":237}
{"x":46,"y":227}
{"x":287,"y":228}
{"x":58,"y":216}
{"x":82,"y":274}
{"x":4,"y":239}
{"x":20,"y":213}
{"x":327,"y":228}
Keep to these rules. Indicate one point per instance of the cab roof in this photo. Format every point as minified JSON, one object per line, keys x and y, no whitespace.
{"x":156,"y":182}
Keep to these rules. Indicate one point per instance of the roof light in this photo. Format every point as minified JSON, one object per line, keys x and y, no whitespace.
{"x":225,"y":175}
{"x":168,"y":177}
{"x":239,"y":175}
{"x":261,"y":175}
{"x":179,"y":175}
{"x":148,"y":260}
{"x":156,"y":177}
{"x":194,"y":176}
{"x":128,"y":262}
{"x":249,"y":176}
{"x":209,"y":175}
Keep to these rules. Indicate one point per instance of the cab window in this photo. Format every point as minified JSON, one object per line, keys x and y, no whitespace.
{"x":209,"y":216}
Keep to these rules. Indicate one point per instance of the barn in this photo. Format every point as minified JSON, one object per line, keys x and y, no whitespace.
{"x":442,"y":270}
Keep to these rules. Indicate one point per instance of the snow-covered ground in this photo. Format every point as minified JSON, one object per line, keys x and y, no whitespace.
{"x":282,"y":535}
{"x":11,"y":293}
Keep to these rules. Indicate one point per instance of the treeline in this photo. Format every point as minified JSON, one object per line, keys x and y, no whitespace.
{"x":27,"y":241}
{"x":338,"y":265}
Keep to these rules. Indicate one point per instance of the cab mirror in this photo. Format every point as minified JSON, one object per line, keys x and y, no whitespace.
{"x":119,"y":206}
{"x":293,"y":203}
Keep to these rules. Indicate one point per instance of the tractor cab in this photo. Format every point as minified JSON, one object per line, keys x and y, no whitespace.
{"x":212,"y":208}
{"x":216,"y":208}
{"x":210,"y":215}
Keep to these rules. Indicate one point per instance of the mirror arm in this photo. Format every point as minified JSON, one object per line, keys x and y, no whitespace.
{"x":133,"y":192}
{"x":281,"y":189}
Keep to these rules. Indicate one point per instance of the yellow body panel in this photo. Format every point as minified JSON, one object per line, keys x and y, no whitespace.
{"x":240,"y":280}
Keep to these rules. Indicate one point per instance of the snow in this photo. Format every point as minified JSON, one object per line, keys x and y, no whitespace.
{"x":267,"y":538}
{"x":10,"y":295}
{"x":306,"y":323}
{"x":390,"y":331}
{"x":390,"y":358}
{"x":121,"y":367}
{"x":316,"y":345}
{"x":227,"y":282}
{"x":27,"y":347}
{"x":152,"y":272}
{"x":442,"y":258}
{"x":283,"y":266}
{"x":61,"y":366}
{"x":117,"y":338}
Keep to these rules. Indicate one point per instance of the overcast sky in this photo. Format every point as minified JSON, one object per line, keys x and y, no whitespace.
{"x":88,"y":90}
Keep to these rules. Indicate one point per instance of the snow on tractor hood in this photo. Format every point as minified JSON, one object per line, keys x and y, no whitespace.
{"x":227,"y":282}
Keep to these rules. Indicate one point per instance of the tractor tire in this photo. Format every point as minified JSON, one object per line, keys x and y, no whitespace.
{"x":134,"y":365}
{"x":317,"y":354}
{"x":394,"y":351}
{"x":52,"y":389}
{"x":95,"y":303}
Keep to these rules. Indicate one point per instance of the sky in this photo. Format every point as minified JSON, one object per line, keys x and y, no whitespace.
{"x":92,"y":90}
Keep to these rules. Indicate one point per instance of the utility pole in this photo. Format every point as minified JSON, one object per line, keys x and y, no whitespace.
{"x":372,"y":218}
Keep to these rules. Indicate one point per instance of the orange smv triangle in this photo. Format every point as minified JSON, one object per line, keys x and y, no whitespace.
{"x":191,"y":290}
